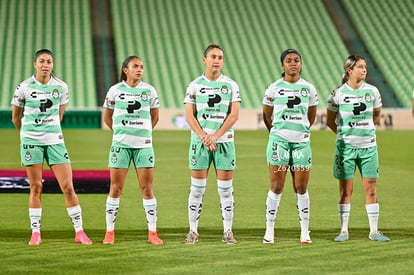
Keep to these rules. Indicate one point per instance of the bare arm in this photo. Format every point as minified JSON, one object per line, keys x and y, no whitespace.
{"x":267,"y":116}
{"x":154,"y":117}
{"x":17,"y":114}
{"x":107,"y":117}
{"x":61,"y":111}
{"x":331,"y":120}
{"x":312,"y":114}
{"x":376,"y":116}
{"x":190,"y":115}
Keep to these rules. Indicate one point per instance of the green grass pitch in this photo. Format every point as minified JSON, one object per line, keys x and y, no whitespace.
{"x":131,"y":254}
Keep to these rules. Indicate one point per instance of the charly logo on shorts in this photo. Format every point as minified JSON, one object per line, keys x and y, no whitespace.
{"x":114,"y":159}
{"x":193,"y":161}
{"x":28,"y":156}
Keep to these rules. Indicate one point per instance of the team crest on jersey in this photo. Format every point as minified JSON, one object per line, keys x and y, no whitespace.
{"x":193,"y":161}
{"x":367,"y":97}
{"x":144,"y":96}
{"x":55,"y":93}
{"x":28,"y":156}
{"x":224,"y":89}
{"x":304,"y":92}
{"x":114,"y":159}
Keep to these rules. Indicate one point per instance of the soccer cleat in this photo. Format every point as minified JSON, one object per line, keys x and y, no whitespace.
{"x":191,"y":238}
{"x":305,"y":237}
{"x":228,"y":237}
{"x":35,"y":239}
{"x":109,"y":237}
{"x":378,"y":236}
{"x":269,"y":238}
{"x":342,"y":237}
{"x":153,"y":238}
{"x":82,"y":238}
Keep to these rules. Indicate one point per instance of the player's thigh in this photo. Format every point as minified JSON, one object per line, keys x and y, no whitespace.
{"x":56,"y":154}
{"x":143,"y":157}
{"x":344,"y":162}
{"x":225,"y":156}
{"x":32,"y":154}
{"x":119,"y":157}
{"x":199,"y":157}
{"x":301,"y":157}
{"x":368,"y":162}
{"x":277,"y":152}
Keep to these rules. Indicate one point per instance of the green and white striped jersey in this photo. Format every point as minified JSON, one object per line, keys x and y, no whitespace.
{"x":354,"y":110}
{"x":132,"y":124}
{"x":290,"y":102}
{"x":41,"y":103}
{"x":213,"y":100}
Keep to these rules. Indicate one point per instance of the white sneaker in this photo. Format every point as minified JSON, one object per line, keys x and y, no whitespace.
{"x":305,"y":237}
{"x":269,"y":239}
{"x":342,"y":237}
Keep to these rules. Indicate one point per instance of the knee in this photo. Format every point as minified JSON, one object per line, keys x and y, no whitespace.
{"x":371,"y":195}
{"x":345,"y":194}
{"x":115,"y":191}
{"x":198,"y":188}
{"x":67,"y":187}
{"x":146,"y":191}
{"x":36,"y":188}
{"x":225,"y":188}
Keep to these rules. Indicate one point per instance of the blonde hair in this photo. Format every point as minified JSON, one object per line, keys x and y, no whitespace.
{"x":350,"y":63}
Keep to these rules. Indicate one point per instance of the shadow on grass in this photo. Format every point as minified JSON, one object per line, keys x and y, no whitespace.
{"x":206,"y":234}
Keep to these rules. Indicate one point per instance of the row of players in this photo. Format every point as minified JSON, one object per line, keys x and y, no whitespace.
{"x":212,"y":104}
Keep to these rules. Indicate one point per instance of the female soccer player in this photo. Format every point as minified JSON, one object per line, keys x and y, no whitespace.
{"x":212,"y":104}
{"x":412,"y":106}
{"x":131,"y":111}
{"x":38,"y":106}
{"x":289,"y":109}
{"x":353,"y":111}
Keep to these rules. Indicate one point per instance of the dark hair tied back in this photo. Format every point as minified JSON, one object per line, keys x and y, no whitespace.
{"x":42,"y":51}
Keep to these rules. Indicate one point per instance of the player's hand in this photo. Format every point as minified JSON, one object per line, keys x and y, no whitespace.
{"x":209,"y":141}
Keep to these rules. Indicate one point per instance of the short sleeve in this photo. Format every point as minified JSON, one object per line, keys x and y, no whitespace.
{"x":332,"y":102}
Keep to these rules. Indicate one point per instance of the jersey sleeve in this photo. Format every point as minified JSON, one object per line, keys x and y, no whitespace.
{"x":155,"y":102}
{"x":190,"y":94}
{"x":332,"y":102}
{"x":65,"y":94}
{"x":313,"y":99}
{"x":377,"y":99}
{"x":235,"y":93}
{"x":110,"y":99}
{"x":18,"y":96}
{"x":268,"y":97}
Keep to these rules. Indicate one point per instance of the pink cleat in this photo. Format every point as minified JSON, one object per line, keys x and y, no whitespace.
{"x":109,"y":237}
{"x":153,"y":238}
{"x":82,"y":238}
{"x":36,"y":239}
